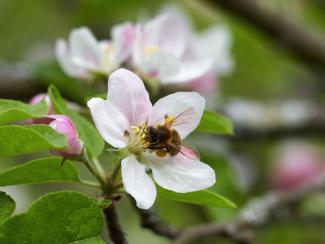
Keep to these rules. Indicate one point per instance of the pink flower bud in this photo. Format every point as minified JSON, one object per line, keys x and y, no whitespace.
{"x":64,"y":125}
{"x":295,"y":165}
{"x":37,"y":99}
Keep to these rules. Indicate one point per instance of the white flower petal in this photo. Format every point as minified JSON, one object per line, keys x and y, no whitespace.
{"x":189,"y":106}
{"x":122,"y":38}
{"x":109,"y":121}
{"x":85,"y":50}
{"x":63,"y":56}
{"x":216,"y":42}
{"x":181,"y":174}
{"x":127,"y":92}
{"x":169,"y":31}
{"x":137,"y":183}
{"x":189,"y":70}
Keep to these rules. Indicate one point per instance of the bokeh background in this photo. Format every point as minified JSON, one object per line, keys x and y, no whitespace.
{"x":268,"y":88}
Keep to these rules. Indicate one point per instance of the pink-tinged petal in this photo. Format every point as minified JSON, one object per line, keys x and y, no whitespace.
{"x":205,"y":84}
{"x":64,"y":125}
{"x":126,"y":91}
{"x":137,"y":183}
{"x":85,"y":50}
{"x":180,"y":173}
{"x":187,"y":107}
{"x":169,"y":31}
{"x":122,"y":38}
{"x":110,"y":122}
{"x":64,"y":58}
{"x":189,"y":69}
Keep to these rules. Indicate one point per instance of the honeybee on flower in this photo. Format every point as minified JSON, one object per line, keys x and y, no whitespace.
{"x":152,"y":136}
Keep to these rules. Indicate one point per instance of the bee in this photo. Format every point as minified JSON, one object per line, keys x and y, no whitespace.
{"x":164,"y":139}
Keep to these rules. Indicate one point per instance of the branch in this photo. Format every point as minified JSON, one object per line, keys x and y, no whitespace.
{"x":114,"y":228}
{"x":300,"y":42}
{"x":256,"y":213}
{"x":259,"y":121}
{"x":150,"y":220}
{"x":16,"y":81}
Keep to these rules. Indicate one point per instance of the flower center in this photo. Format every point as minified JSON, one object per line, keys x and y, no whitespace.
{"x":150,"y":50}
{"x":161,"y":139}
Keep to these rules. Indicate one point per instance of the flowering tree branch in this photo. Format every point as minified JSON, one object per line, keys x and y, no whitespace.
{"x":16,"y":81}
{"x":256,"y":213}
{"x":302,"y":43}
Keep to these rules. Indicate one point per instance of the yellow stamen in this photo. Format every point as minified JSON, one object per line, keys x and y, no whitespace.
{"x":150,"y":50}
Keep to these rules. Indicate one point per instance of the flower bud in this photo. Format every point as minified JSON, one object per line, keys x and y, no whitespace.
{"x":295,"y":165}
{"x":37,"y":99}
{"x":64,"y":125}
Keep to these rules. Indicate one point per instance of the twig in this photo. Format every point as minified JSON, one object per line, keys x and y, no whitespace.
{"x":150,"y":220}
{"x":256,"y":213}
{"x":16,"y":81}
{"x":302,"y":43}
{"x":114,"y":228}
{"x":256,"y":134}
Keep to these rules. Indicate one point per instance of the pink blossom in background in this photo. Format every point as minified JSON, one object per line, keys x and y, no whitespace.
{"x":168,"y":47}
{"x":84,"y":57}
{"x":295,"y":165}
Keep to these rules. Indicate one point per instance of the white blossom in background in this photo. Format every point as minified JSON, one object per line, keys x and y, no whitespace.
{"x":84,"y":57}
{"x":124,"y":120}
{"x":167,"y":49}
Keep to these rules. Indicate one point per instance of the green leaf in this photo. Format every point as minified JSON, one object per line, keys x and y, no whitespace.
{"x":60,"y":217}
{"x":215,"y":123}
{"x":20,"y":139}
{"x":7,"y":206}
{"x":87,"y":132}
{"x":203,"y":197}
{"x":40,"y":170}
{"x":93,"y":240}
{"x":11,"y":111}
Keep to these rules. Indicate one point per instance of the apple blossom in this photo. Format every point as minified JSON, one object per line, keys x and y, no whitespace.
{"x":167,"y":49}
{"x":295,"y":165}
{"x":84,"y":57}
{"x":125,"y":121}
{"x":64,"y":125}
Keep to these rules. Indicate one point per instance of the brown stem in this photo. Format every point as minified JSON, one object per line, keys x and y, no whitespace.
{"x":304,"y":44}
{"x":114,"y":228}
{"x":150,"y":220}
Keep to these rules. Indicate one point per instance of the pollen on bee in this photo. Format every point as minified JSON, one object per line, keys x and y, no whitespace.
{"x":169,"y":119}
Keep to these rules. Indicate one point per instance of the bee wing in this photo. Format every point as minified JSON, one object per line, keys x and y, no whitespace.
{"x":182,"y":118}
{"x":188,"y":152}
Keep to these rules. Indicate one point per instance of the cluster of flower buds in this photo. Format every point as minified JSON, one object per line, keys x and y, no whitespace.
{"x":164,"y":49}
{"x":61,"y":124}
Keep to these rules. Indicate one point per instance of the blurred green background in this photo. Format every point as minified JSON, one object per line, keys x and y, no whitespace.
{"x":263,"y":71}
